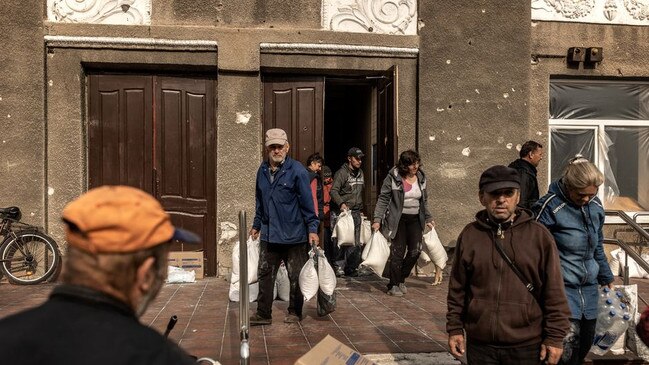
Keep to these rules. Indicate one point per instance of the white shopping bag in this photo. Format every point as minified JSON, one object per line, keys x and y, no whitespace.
{"x":253,"y":291}
{"x":434,"y":250}
{"x":344,"y":229}
{"x":326,"y":274}
{"x":253,"y":260}
{"x":309,"y":279}
{"x":378,"y":254}
{"x":282,"y":284}
{"x":366,"y":231}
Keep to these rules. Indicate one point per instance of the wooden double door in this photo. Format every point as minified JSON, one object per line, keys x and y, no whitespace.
{"x":157,"y":133}
{"x":296,"y":103}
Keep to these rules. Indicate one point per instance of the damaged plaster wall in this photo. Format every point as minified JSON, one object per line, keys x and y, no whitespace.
{"x":22,"y":145}
{"x":624,"y":50}
{"x":473,"y":96}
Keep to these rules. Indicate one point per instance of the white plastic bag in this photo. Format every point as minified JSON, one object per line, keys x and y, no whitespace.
{"x":378,"y":254}
{"x":344,"y":229}
{"x":434,"y":249}
{"x":326,"y":274}
{"x":366,"y":231}
{"x":253,"y":260}
{"x":635,"y":270}
{"x":368,"y":247}
{"x":282,"y":284}
{"x":309,"y":279}
{"x":178,"y":275}
{"x":253,"y":291}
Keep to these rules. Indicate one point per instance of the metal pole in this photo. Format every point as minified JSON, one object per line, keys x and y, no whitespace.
{"x":244,"y":319}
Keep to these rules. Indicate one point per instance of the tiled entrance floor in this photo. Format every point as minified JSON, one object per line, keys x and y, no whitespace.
{"x":366,"y":319}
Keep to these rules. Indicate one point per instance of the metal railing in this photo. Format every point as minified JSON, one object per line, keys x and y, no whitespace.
{"x":244,"y":319}
{"x":627,"y":248}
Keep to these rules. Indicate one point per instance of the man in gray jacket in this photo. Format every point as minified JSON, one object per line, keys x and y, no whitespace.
{"x":347,"y":194}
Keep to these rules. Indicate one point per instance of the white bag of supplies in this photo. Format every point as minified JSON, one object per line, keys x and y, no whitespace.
{"x":377,"y":254}
{"x":309,"y":279}
{"x":343,"y":231}
{"x":326,"y":274}
{"x":253,"y":260}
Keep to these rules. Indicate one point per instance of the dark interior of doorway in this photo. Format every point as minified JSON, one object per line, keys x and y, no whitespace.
{"x":349,"y":122}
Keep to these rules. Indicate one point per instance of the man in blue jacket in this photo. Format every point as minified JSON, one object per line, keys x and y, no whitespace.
{"x":286,"y":219}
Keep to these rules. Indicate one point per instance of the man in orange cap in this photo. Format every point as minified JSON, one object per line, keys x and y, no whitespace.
{"x":118,"y":243}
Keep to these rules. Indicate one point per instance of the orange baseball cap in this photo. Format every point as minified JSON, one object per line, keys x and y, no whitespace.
{"x":119,"y":219}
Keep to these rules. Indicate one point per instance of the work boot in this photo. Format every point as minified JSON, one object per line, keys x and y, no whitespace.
{"x":292,"y":318}
{"x":257,"y":320}
{"x":403,"y":288}
{"x":395,"y":291}
{"x":340,"y":272}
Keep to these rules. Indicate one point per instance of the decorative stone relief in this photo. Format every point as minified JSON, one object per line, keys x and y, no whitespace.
{"x":132,"y":12}
{"x":370,"y":16}
{"x":630,"y":12}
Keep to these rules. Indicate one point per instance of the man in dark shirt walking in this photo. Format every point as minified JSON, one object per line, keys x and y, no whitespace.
{"x":531,"y":155}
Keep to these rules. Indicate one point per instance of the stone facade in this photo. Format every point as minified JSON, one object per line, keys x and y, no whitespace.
{"x":472,"y":82}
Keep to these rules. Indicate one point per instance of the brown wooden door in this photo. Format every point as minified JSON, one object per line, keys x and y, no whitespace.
{"x":387,"y":136}
{"x":158,"y":134}
{"x":296,"y":105}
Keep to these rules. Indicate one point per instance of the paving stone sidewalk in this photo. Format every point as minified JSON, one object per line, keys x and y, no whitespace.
{"x":406,"y":330}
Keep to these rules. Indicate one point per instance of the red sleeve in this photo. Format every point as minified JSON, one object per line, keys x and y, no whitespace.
{"x":314,"y":194}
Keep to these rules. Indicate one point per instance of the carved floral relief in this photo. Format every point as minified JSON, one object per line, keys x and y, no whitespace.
{"x":370,"y":16}
{"x":134,"y":12}
{"x":631,"y":12}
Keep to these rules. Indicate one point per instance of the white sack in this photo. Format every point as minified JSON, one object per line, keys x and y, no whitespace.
{"x":378,"y":254}
{"x":344,"y":229}
{"x":366,"y":231}
{"x":434,"y":249}
{"x":253,"y":260}
{"x":635,"y":271}
{"x":179,"y":275}
{"x":253,"y":291}
{"x":282,"y":284}
{"x":367,"y":248}
{"x":309,"y":279}
{"x":326,"y":274}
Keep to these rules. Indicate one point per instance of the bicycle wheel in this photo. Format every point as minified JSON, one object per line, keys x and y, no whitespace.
{"x":30,"y":257}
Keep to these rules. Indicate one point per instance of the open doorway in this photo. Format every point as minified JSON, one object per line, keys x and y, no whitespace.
{"x":350,"y":121}
{"x":330,"y":114}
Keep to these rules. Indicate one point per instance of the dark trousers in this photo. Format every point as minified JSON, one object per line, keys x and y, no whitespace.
{"x":481,"y":354}
{"x":270,"y":257}
{"x":330,"y":248}
{"x":578,"y":341}
{"x":349,"y":257}
{"x":408,"y":237}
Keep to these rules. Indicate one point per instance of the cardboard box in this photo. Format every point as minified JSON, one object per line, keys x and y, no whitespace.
{"x":188,"y":260}
{"x":330,"y":351}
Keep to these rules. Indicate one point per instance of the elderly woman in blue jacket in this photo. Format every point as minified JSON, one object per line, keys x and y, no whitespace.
{"x":575,"y":216}
{"x":402,"y":215}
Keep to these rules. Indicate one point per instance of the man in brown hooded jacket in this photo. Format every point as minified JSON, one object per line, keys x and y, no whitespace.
{"x":507,"y":319}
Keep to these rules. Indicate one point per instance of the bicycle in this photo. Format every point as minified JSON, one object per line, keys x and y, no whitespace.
{"x":27,"y":254}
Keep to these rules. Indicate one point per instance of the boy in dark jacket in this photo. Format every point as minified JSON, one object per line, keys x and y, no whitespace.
{"x":347,"y":194}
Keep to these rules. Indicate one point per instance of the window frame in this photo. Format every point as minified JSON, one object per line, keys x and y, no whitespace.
{"x":599,"y":126}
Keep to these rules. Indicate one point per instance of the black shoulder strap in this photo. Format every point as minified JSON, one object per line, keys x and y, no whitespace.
{"x":517,"y":271}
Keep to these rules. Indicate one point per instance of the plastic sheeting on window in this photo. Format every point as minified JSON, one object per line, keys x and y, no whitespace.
{"x":623,"y":158}
{"x":592,"y":99}
{"x":626,"y":168}
{"x":565,"y":144}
